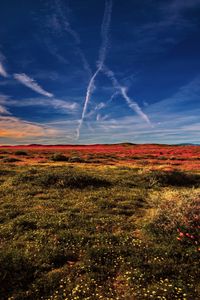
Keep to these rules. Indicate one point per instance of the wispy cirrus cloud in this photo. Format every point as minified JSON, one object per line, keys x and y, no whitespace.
{"x":177,"y":6}
{"x":99,"y":117}
{"x":158,"y":35}
{"x":96,"y":108}
{"x":102,"y":105}
{"x":66,"y":106}
{"x":180,"y":101}
{"x":60,"y":105}
{"x":3,"y":70}
{"x":3,"y":101}
{"x":180,"y":129}
{"x":54,"y":51}
{"x":174,"y":119}
{"x":32,"y":84}
{"x":61,"y":21}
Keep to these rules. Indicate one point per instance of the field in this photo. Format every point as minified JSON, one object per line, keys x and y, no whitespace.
{"x":107,"y":222}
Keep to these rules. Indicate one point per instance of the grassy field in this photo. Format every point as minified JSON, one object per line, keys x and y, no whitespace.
{"x":99,"y":225}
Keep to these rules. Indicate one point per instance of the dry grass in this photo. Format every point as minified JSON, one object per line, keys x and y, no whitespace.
{"x":97,"y":232}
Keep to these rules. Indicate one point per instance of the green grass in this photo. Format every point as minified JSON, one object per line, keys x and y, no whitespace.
{"x":98,"y":233}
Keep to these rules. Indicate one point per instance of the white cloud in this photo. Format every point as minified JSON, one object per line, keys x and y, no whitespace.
{"x":67,"y":106}
{"x":3,"y":109}
{"x":3,"y":71}
{"x":3,"y":98}
{"x":32,"y":84}
{"x":60,"y":105}
{"x":174,"y":120}
{"x":133,"y":130}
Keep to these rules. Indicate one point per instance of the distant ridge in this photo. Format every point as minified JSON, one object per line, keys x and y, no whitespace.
{"x":188,"y":144}
{"x":99,"y":145}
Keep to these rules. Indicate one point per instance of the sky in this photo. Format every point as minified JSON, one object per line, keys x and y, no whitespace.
{"x":87,"y":72}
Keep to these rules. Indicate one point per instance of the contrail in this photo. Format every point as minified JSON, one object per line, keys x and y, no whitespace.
{"x":112,"y":97}
{"x":90,"y":89}
{"x":122,"y":90}
{"x":104,"y":33}
{"x":67,"y":27}
{"x":102,"y":56}
{"x":85,"y":63}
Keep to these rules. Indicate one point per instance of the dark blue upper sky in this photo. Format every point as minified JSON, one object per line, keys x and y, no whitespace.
{"x":85,"y":71}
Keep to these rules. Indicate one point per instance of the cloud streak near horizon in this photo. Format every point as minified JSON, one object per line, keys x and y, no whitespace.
{"x":16,"y":128}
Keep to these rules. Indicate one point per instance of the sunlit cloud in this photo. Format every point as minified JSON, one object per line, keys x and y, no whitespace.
{"x":3,"y":110}
{"x":16,"y":128}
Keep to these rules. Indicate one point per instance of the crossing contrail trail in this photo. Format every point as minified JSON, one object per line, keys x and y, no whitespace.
{"x":109,"y":73}
{"x":68,"y":28}
{"x":122,"y":90}
{"x":100,"y":63}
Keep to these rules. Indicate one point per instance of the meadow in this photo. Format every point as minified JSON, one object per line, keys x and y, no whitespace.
{"x":100,"y":222}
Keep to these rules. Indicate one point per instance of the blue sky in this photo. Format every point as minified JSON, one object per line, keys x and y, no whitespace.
{"x":99,"y":71}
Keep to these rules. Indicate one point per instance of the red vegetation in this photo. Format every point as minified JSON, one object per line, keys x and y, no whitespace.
{"x":179,"y":157}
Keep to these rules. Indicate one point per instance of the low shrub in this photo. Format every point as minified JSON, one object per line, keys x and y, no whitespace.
{"x":23,"y":224}
{"x":21,"y":152}
{"x":177,"y":178}
{"x":172,"y":178}
{"x":76,"y":159}
{"x":3,"y":152}
{"x":71,"y":179}
{"x":4,"y":172}
{"x":68,"y":178}
{"x":16,"y":271}
{"x":11,"y":159}
{"x":59,"y":157}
